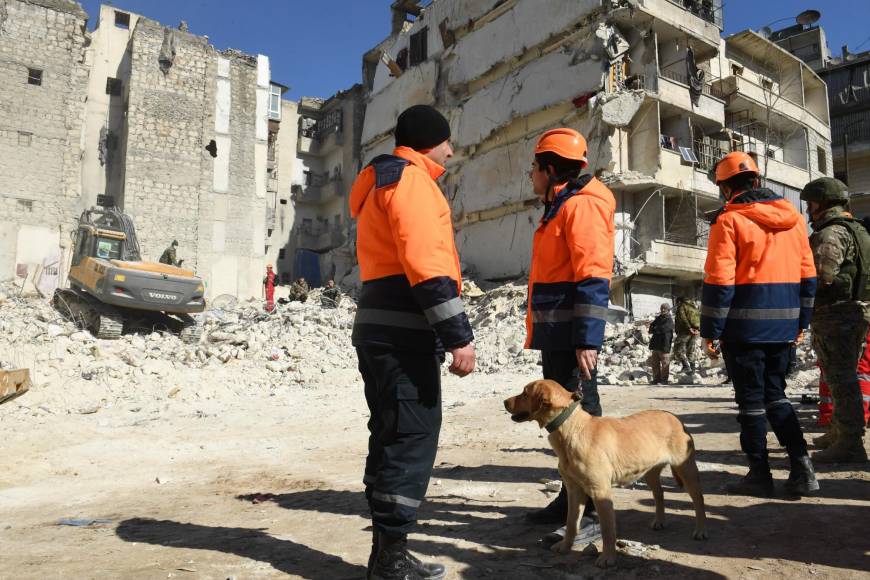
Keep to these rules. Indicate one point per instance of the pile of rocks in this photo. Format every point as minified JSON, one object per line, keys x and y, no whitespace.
{"x":299,"y":345}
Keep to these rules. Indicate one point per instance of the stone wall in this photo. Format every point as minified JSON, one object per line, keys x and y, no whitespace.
{"x":174,"y":188}
{"x":40,"y":128}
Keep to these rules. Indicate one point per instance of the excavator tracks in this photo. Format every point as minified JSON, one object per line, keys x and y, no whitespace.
{"x":108,"y":322}
{"x":102,"y":320}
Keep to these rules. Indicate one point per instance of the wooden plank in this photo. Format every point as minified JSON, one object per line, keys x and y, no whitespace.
{"x":13,"y":384}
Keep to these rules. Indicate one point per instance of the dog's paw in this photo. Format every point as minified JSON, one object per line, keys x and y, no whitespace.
{"x":606,"y":560}
{"x":562,"y":547}
{"x":700,"y":535}
{"x":657,"y":524}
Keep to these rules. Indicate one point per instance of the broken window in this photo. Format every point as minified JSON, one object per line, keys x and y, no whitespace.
{"x":402,"y":59}
{"x":823,"y":159}
{"x":419,"y":46}
{"x":34,"y":76}
{"x":114,"y":87}
{"x":122,"y":19}
{"x":25,"y":204}
{"x":24,"y":138}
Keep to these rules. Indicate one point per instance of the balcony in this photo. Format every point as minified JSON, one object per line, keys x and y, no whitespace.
{"x":676,"y":173}
{"x":673,"y":89}
{"x":675,"y":259}
{"x":700,"y":19}
{"x":743,"y":94}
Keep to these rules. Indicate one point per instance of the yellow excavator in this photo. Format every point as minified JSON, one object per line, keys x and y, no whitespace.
{"x":112,"y":289}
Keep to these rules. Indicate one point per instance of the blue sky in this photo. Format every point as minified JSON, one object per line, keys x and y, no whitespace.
{"x":317,"y":51}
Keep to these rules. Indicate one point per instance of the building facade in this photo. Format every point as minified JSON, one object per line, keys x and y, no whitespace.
{"x":177,"y":133}
{"x":328,"y":153}
{"x":657,"y":91}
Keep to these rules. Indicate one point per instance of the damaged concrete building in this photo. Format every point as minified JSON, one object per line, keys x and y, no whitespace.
{"x":178,"y":133}
{"x":657,"y":91}
{"x":328,"y":153}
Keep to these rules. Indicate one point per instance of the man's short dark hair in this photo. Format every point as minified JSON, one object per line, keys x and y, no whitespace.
{"x":742,"y":181}
{"x":565,"y":169}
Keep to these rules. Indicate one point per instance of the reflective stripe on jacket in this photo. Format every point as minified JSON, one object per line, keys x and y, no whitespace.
{"x":759,"y":279}
{"x":572,"y":263}
{"x":408,"y":262}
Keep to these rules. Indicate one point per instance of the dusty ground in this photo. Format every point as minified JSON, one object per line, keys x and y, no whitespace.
{"x":269,"y":487}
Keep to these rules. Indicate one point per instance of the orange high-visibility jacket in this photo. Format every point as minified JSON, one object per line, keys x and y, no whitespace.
{"x":407,"y":256}
{"x":760,"y":280}
{"x":572,"y":264}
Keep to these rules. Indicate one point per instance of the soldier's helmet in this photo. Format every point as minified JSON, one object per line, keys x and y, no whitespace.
{"x":825,"y":189}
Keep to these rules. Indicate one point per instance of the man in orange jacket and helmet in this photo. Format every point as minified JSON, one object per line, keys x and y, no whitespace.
{"x":409,"y":313}
{"x":757,"y":299}
{"x":569,"y":285}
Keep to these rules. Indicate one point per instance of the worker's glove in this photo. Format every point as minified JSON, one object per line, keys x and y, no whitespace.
{"x":712,"y":349}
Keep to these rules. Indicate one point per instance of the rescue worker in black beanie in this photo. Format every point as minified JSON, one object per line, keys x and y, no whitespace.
{"x":409,"y":314}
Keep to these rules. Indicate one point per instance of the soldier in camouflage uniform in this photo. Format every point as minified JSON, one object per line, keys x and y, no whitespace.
{"x":299,"y":291}
{"x":841,"y":315}
{"x":168,"y":255}
{"x":687,"y":322}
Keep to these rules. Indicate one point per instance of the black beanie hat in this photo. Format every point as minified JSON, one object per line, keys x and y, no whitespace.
{"x":421,"y":127}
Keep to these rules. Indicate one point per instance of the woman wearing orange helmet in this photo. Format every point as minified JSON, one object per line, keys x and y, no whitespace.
{"x":757,"y":299}
{"x":569,"y":284}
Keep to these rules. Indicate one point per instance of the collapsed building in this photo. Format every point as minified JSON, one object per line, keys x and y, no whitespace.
{"x":657,"y":91}
{"x":153,"y":119}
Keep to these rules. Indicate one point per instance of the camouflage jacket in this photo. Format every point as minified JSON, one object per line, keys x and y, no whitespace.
{"x":168,"y":257}
{"x":835,"y":256}
{"x":687,"y":317}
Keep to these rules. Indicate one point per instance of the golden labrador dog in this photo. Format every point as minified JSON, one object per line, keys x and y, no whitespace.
{"x":597,"y":452}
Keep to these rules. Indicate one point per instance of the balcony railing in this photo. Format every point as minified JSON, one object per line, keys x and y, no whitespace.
{"x":708,"y":10}
{"x":707,"y":89}
{"x":708,"y":155}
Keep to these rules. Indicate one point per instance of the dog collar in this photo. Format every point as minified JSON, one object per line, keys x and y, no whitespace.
{"x":561,"y":417}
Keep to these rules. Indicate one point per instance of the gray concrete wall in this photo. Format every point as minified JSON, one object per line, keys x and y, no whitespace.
{"x":40,"y":129}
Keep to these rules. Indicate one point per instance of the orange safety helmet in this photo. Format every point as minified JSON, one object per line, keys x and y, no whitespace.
{"x":564,"y":142}
{"x":734,"y":163}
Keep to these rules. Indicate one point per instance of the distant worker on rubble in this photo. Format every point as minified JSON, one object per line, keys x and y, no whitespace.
{"x":661,"y":331}
{"x":409,"y":313}
{"x":298,"y":290}
{"x":841,"y":248}
{"x":569,"y":288}
{"x":269,"y":283}
{"x":331,"y":295}
{"x":758,"y":293}
{"x":687,"y":323}
{"x":168,"y":255}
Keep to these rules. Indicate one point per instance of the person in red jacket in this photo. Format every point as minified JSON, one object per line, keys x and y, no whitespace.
{"x":269,"y":282}
{"x":757,"y":299}
{"x":569,"y":286}
{"x":409,"y":314}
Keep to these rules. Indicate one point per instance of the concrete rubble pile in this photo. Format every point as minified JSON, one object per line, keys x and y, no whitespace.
{"x":244,"y":350}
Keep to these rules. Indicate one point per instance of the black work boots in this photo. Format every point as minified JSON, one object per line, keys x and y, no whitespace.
{"x":393,"y":562}
{"x":802,"y":479}
{"x":758,"y":483}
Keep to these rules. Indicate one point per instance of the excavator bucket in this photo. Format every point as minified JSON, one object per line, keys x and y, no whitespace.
{"x":13,"y":384}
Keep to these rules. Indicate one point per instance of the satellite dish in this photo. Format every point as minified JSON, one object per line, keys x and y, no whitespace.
{"x":808,"y":17}
{"x":766,"y":31}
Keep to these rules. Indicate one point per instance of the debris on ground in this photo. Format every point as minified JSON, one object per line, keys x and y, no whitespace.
{"x":244,"y":351}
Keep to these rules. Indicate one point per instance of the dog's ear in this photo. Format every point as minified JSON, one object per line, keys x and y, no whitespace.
{"x":540,"y":398}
